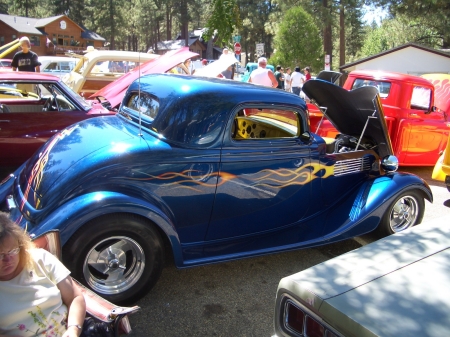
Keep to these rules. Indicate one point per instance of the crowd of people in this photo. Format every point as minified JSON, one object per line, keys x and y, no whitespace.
{"x":281,"y":79}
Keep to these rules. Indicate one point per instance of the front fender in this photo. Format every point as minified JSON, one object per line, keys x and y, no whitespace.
{"x":373,"y":200}
{"x":71,"y":216}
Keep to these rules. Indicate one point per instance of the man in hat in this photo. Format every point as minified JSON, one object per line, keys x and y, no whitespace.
{"x":25,"y":60}
{"x":262,"y":75}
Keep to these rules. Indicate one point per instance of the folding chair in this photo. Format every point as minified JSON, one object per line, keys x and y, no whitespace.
{"x":96,"y":306}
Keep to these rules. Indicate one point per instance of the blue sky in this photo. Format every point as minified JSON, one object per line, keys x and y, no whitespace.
{"x":372,"y":13}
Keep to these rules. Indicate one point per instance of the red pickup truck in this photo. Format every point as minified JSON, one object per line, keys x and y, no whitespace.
{"x":418,"y":130}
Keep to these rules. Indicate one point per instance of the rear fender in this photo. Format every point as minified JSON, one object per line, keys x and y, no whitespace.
{"x":373,"y":200}
{"x":71,"y":216}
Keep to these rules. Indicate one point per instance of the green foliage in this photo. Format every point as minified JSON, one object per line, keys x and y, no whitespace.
{"x":224,"y":20}
{"x":398,"y":31}
{"x":298,"y":41}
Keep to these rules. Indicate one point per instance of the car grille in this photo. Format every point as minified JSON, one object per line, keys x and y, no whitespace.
{"x":349,"y":166}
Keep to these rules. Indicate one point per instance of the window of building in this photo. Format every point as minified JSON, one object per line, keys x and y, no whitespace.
{"x":35,"y":40}
{"x":14,"y":37}
{"x":2,"y":40}
{"x":54,"y":40}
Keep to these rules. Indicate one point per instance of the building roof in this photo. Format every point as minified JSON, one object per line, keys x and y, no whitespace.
{"x":21,"y":24}
{"x":90,"y":35}
{"x":414,"y":45}
{"x":175,"y":44}
{"x":31,"y":25}
{"x":45,"y":21}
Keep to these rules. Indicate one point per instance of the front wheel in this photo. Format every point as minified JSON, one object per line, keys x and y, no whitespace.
{"x":404,"y":212}
{"x":120,"y":257}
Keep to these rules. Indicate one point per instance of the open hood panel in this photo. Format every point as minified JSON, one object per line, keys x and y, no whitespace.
{"x":349,"y":111}
{"x":115,"y":91}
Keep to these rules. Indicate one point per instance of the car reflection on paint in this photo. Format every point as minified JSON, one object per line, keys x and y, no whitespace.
{"x":214,"y":170}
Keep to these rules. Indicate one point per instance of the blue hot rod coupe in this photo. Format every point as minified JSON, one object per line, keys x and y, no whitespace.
{"x":210,"y":170}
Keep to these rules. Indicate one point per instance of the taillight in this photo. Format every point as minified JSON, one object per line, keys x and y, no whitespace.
{"x":303,"y":324}
{"x":313,"y":328}
{"x":295,"y":318}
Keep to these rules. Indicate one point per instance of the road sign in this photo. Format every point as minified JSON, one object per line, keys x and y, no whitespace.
{"x":237,"y":38}
{"x":259,"y":49}
{"x":327,"y":62}
{"x":237,"y":48}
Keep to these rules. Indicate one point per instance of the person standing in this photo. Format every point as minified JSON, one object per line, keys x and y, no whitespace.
{"x":287,"y":80}
{"x":297,"y":81}
{"x":279,"y":77}
{"x":307,"y":72}
{"x":25,"y":60}
{"x":262,"y":75}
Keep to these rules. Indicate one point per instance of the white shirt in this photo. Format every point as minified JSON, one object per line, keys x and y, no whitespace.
{"x":34,"y":302}
{"x":287,"y":79}
{"x":261,"y":76}
{"x":297,"y":79}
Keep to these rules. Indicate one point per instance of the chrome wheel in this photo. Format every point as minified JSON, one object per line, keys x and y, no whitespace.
{"x":114,"y":265}
{"x":404,"y":213}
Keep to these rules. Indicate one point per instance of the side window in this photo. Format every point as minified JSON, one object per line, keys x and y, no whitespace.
{"x":20,"y":90}
{"x":266,"y":124}
{"x":421,"y":98}
{"x":112,"y":68}
{"x":143,"y":103}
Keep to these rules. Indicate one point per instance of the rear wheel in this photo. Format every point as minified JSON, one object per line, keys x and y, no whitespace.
{"x":404,"y":212}
{"x":120,"y":257}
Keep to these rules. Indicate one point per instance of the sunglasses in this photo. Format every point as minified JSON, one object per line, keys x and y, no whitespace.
{"x":12,"y":252}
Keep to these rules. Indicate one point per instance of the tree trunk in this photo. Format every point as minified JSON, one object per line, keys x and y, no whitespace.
{"x":113,"y":26}
{"x":327,"y":32}
{"x":341,"y":36}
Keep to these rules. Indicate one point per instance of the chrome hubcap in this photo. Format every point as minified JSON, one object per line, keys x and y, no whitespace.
{"x":404,"y":214}
{"x":114,"y":265}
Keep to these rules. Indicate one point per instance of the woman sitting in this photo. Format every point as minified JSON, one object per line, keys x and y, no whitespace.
{"x":37,"y":297}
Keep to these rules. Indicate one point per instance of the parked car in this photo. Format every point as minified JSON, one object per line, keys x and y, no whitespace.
{"x":216,"y":170}
{"x":252,"y":66}
{"x":5,"y":64}
{"x":33,"y":108}
{"x":96,"y":69}
{"x":392,"y":287}
{"x":214,"y":69}
{"x":115,"y":91}
{"x":57,"y":65}
{"x":441,"y":171}
{"x":418,"y":130}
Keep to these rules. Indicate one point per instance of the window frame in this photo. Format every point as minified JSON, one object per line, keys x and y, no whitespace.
{"x":134,"y":112}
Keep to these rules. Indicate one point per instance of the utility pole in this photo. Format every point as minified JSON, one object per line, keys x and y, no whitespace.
{"x":327,"y":37}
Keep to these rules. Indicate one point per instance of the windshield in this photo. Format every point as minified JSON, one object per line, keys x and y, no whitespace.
{"x":72,"y":93}
{"x":383,"y":87}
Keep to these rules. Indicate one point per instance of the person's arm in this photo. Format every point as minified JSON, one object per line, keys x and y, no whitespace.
{"x":14,"y":65}
{"x":273,"y":79}
{"x":76,"y":305}
{"x":37,"y":67}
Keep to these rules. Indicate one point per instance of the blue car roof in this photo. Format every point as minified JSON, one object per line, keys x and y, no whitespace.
{"x":172,"y":86}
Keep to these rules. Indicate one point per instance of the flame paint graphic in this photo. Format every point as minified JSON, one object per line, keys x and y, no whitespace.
{"x":190,"y":179}
{"x":38,"y":168}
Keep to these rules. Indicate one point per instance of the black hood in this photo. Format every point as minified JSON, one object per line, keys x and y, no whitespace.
{"x":348,"y":111}
{"x":329,"y":76}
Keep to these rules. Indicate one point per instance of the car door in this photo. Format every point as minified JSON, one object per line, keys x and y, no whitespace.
{"x":25,"y":126}
{"x":428,"y":131}
{"x":264,"y":181}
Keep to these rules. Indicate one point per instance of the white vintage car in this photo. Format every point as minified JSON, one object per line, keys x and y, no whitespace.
{"x":98,"y":68}
{"x":397,"y":286}
{"x":57,"y":65}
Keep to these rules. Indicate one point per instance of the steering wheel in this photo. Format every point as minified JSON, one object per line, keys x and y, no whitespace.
{"x":48,"y":105}
{"x":4,"y":108}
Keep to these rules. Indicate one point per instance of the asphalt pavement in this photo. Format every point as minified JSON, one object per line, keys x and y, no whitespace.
{"x":236,"y":299}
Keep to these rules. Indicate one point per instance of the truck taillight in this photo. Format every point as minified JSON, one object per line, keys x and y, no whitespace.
{"x":302,"y":324}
